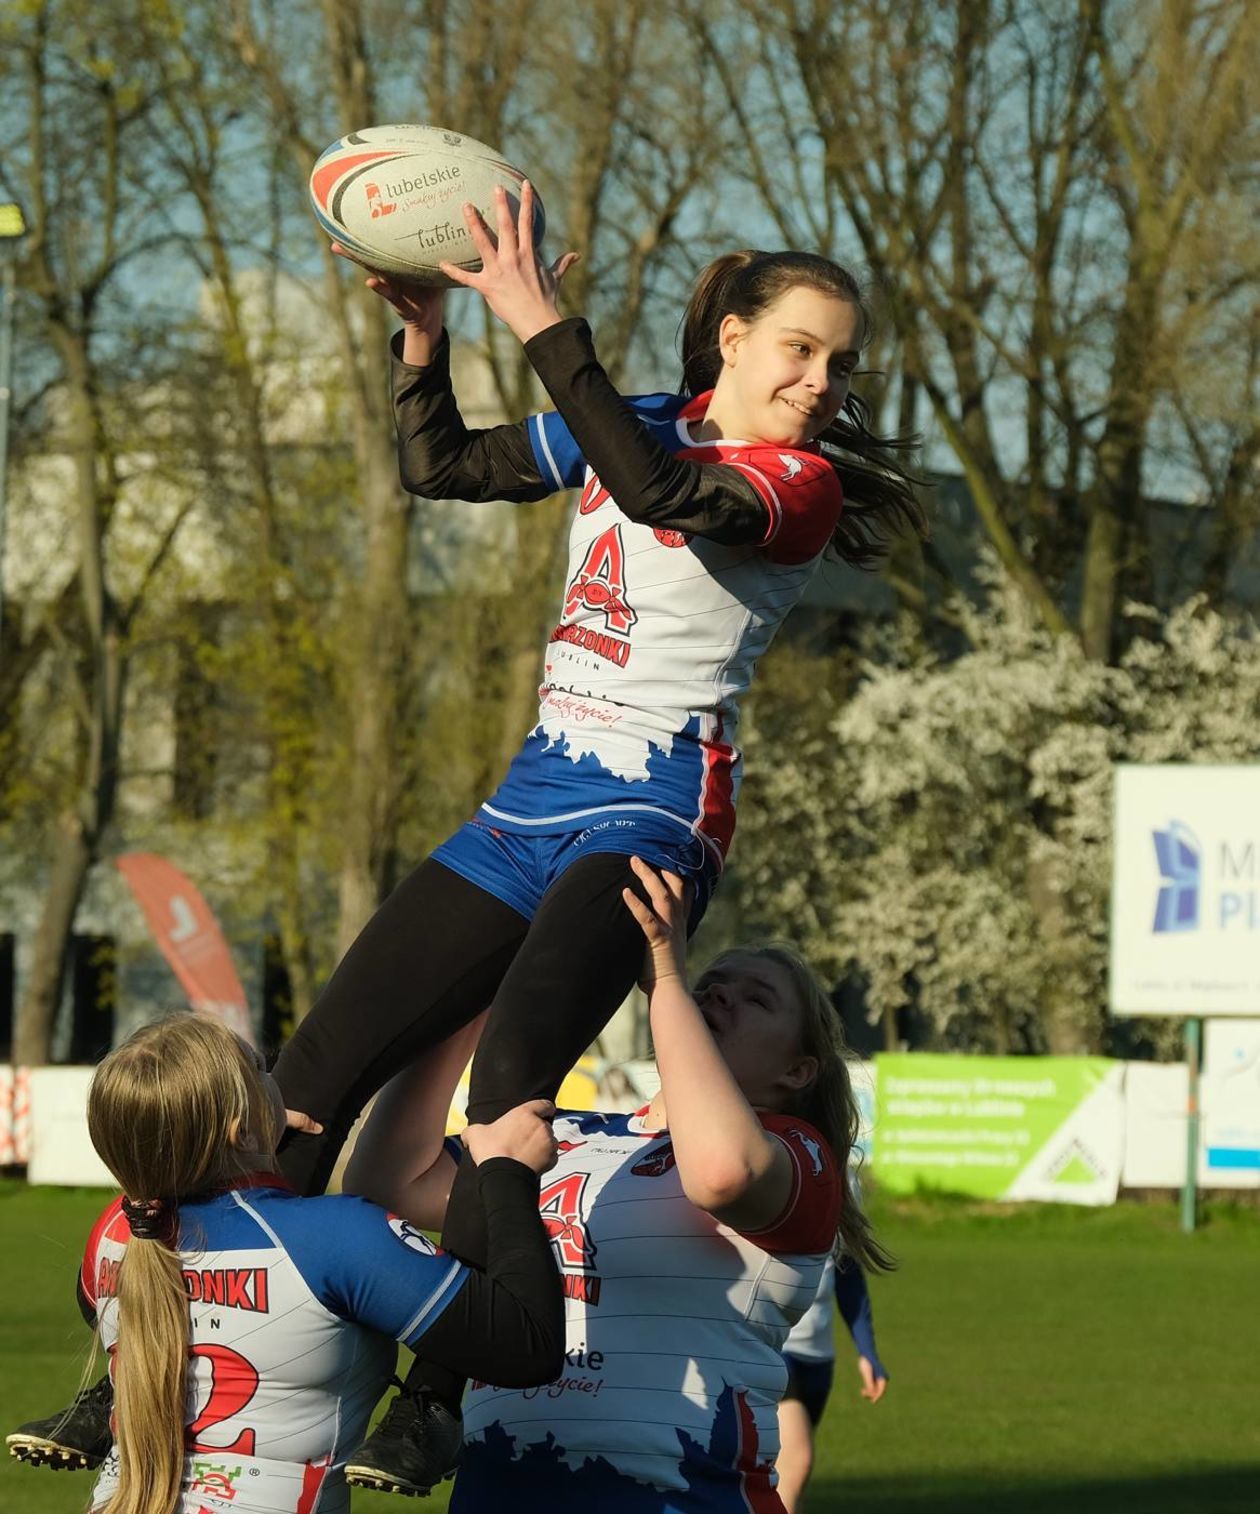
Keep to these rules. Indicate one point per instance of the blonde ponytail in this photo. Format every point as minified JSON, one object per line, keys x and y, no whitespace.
{"x":150,"y":1380}
{"x":178,"y":1110}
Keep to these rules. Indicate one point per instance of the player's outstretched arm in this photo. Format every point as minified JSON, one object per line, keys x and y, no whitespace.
{"x":649,"y":483}
{"x":512,"y":280}
{"x":419,"y":307}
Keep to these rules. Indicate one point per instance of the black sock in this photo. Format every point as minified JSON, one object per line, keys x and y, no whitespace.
{"x":438,"y":1382}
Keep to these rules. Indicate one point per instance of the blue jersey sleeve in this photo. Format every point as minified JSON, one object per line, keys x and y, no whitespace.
{"x":556,"y":453}
{"x":560,"y":459}
{"x":369,"y":1266}
{"x":854,"y":1301}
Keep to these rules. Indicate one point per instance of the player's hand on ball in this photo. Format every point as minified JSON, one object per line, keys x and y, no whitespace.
{"x":417,"y":305}
{"x":663,"y":920}
{"x":872,"y":1386}
{"x":513,"y":282}
{"x":523,"y":1133}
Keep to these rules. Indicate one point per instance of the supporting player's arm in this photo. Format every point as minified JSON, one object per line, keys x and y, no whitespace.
{"x":504,"y":1324}
{"x":729,"y":1164}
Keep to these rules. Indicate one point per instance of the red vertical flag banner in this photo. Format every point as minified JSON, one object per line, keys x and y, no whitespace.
{"x":189,"y":937}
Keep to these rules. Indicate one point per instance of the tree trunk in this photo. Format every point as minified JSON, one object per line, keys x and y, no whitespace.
{"x":101,"y":709}
{"x":375,"y":680}
{"x":1070,"y":1028}
{"x":37,"y":1012}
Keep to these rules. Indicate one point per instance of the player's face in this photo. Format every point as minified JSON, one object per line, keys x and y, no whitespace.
{"x":789,"y":370}
{"x":750,"y":1006}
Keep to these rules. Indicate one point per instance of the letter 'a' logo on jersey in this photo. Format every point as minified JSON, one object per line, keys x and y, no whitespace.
{"x":560,"y":1204}
{"x":657,"y":1163}
{"x":412,"y":1238}
{"x":600,"y":584}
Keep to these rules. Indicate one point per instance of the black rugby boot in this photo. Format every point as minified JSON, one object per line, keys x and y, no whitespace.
{"x":416,"y":1445}
{"x":76,"y":1439}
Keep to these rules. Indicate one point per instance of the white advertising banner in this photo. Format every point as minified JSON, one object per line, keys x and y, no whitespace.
{"x":1185,"y":895}
{"x":61,"y":1151}
{"x":1230,"y":1098}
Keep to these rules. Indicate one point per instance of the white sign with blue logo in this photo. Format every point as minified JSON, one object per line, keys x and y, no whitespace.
{"x":1185,"y":894}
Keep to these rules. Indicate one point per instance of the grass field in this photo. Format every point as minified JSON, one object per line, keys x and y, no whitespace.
{"x":1045,"y":1359}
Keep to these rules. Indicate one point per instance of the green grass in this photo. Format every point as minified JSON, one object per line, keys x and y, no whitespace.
{"x":1042,"y":1359}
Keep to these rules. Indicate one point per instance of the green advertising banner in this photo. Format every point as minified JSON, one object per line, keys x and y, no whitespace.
{"x":1049,"y":1128}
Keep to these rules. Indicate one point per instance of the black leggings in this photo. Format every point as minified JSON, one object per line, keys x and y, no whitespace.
{"x":436,"y":953}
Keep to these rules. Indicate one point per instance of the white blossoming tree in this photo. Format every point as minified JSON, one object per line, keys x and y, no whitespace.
{"x":945,"y":831}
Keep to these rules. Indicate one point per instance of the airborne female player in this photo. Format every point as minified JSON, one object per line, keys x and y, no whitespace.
{"x":703,"y":516}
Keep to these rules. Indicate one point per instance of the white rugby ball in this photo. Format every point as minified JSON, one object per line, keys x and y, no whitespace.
{"x":393,"y":197}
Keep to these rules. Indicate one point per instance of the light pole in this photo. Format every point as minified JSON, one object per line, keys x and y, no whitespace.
{"x":12,"y":227}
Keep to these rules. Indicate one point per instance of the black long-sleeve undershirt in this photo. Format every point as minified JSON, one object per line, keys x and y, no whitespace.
{"x":506,"y":1324}
{"x":440,"y":458}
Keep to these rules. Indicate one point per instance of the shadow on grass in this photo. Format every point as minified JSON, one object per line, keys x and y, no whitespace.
{"x":1221,"y":1490}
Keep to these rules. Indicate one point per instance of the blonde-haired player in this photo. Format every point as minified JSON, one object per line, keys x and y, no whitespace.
{"x":251,"y":1331}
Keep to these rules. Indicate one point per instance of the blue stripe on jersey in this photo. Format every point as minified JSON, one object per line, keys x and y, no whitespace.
{"x":360,"y":1263}
{"x":558,"y":456}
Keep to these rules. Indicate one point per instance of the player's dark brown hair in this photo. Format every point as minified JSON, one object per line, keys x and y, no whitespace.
{"x":828,"y":1103}
{"x":879,"y":490}
{"x":179,"y":1108}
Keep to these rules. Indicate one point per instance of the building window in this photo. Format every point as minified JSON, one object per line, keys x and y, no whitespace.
{"x":93,"y":997}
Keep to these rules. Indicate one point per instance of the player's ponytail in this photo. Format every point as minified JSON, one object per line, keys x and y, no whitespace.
{"x":829,"y":1103}
{"x":150,"y":1379}
{"x":717,"y":292}
{"x":177,"y":1110}
{"x":879,"y":490}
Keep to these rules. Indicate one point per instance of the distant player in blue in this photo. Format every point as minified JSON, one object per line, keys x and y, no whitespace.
{"x":250,"y":1331}
{"x":701,"y":519}
{"x":810,"y":1354}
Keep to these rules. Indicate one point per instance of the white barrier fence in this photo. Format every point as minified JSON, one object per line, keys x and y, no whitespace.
{"x":43,"y":1123}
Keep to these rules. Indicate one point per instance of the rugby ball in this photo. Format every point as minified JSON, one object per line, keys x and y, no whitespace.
{"x":393,"y":197}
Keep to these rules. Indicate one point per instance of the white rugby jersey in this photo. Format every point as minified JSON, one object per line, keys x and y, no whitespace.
{"x":675,"y":1325}
{"x":658,"y":637}
{"x":812,"y":1337}
{"x":296,"y":1306}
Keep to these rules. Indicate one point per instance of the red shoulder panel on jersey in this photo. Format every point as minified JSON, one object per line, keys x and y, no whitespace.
{"x":111,"y":1216}
{"x":802,"y":494}
{"x":810,"y":1217}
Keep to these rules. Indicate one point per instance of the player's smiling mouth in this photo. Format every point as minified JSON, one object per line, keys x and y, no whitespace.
{"x":801,"y":409}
